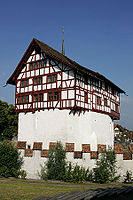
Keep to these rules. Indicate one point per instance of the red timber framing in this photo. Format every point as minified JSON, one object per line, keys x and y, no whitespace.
{"x":46,"y":79}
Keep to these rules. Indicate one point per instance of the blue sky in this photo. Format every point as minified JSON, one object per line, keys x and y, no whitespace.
{"x":98,"y":35}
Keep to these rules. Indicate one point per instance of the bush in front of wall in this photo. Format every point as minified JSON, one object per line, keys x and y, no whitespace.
{"x":10,"y":160}
{"x":106,"y":168}
{"x":128,"y":177}
{"x":56,"y":164}
{"x":77,"y":174}
{"x":56,"y":167}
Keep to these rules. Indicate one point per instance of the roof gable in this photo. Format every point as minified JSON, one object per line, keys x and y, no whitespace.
{"x":53,"y":54}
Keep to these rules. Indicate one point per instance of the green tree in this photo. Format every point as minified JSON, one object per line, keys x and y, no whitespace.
{"x":10,"y":160}
{"x":56,"y":164}
{"x":106,"y":168}
{"x":8,"y":121}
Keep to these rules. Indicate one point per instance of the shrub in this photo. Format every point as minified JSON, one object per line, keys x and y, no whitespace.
{"x":56,"y":168}
{"x":22,"y":174}
{"x":77,"y":174}
{"x":128,"y":177}
{"x":10,"y":160}
{"x":56,"y":164}
{"x":105,"y":170}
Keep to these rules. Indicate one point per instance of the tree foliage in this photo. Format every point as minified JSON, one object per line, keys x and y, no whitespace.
{"x":10,"y":160}
{"x":56,"y":164}
{"x":8,"y":121}
{"x":77,"y":174}
{"x":106,"y":168}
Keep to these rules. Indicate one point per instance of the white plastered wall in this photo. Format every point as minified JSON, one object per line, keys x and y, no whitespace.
{"x":59,"y":125}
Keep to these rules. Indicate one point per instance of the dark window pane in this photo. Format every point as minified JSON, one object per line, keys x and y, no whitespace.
{"x":35,"y":65}
{"x":40,"y":97}
{"x":26,"y":83}
{"x":50,"y":96}
{"x":98,"y":100}
{"x":40,"y":80}
{"x":105,"y":102}
{"x":86,"y":97}
{"x":39,"y":64}
{"x":35,"y":81}
{"x":56,"y":95}
{"x":54,"y":77}
{"x":23,"y":99}
{"x":22,"y":84}
{"x":35,"y":97}
{"x":31,"y":66}
{"x":49,"y":79}
{"x":27,"y":99}
{"x":19,"y":100}
{"x":44,"y":62}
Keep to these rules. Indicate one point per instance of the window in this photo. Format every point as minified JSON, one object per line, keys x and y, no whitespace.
{"x":23,"y":99}
{"x":53,"y":96}
{"x":35,"y":81}
{"x":50,"y":94}
{"x":38,"y":81}
{"x":19,"y":100}
{"x":35,"y":97}
{"x":24,"y":83}
{"x":98,"y":100}
{"x":49,"y":79}
{"x":39,"y":64}
{"x":105,"y":102}
{"x":26,"y":98}
{"x":52,"y":78}
{"x":35,"y":65}
{"x":56,"y":96}
{"x":86,"y":97}
{"x":116,"y":108}
{"x":31,"y":66}
{"x":38,"y":97}
{"x":44,"y":62}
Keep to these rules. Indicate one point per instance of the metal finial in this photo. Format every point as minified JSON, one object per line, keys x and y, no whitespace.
{"x":63,"y":49}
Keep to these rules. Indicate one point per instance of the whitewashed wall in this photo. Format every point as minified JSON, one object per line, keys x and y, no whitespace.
{"x":59,"y":125}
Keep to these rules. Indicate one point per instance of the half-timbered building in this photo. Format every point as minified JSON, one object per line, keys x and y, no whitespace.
{"x":59,"y":100}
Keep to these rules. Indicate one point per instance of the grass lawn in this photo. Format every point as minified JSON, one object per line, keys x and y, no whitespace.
{"x":15,"y":189}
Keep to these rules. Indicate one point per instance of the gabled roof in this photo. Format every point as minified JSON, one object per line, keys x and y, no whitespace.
{"x":53,"y":54}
